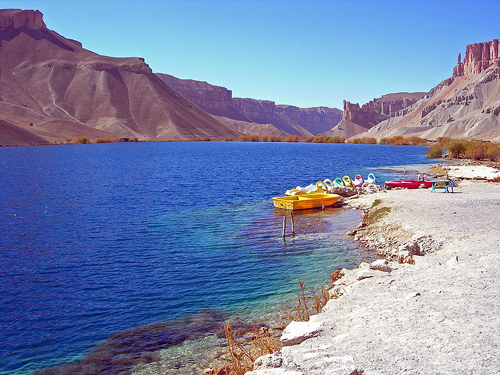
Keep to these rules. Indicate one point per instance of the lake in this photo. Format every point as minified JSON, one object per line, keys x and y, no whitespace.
{"x":103,"y":238}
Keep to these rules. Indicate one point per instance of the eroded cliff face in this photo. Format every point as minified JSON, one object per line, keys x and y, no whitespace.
{"x":16,"y":18}
{"x":288,"y":119}
{"x":466,"y":105}
{"x":52,"y":88}
{"x":356,"y":119}
{"x":478,"y":58}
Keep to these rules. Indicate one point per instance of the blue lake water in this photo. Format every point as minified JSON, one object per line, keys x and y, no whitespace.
{"x":98,"y":239}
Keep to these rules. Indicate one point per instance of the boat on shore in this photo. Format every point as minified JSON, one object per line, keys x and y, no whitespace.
{"x":305,"y":201}
{"x":408,"y":184}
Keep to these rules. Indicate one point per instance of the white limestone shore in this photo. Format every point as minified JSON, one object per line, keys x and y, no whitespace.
{"x":440,"y":315}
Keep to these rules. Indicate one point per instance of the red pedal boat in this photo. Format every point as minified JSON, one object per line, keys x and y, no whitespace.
{"x":408,"y":184}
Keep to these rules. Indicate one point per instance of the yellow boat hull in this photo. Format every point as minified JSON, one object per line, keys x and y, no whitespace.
{"x":305,"y":201}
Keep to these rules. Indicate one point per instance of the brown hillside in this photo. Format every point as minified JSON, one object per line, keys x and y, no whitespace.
{"x":53,"y":88}
{"x":252,"y":116}
{"x":464,"y":105}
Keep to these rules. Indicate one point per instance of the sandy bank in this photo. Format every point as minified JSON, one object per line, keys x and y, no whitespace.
{"x":440,"y":315}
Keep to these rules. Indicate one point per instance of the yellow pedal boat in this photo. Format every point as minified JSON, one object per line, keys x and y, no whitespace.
{"x":304,"y":201}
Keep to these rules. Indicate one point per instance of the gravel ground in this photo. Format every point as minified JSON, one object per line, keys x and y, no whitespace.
{"x":440,"y":315}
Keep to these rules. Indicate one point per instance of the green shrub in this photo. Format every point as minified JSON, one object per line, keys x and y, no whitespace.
{"x":456,"y":147}
{"x":434,"y":152}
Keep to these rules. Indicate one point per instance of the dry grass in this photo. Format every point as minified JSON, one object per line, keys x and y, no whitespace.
{"x":243,"y":355}
{"x":302,"y":310}
{"x":242,"y":352}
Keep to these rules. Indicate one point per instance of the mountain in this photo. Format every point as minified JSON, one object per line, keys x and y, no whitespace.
{"x":52,"y":88}
{"x":465,"y":105}
{"x":356,"y":119}
{"x":252,"y":116}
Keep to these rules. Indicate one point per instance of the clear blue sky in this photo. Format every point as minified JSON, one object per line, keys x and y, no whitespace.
{"x":300,"y":52}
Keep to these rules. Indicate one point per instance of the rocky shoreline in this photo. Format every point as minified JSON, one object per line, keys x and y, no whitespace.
{"x":409,"y":313}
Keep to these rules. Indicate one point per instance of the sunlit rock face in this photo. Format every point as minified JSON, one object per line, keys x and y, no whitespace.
{"x":357,"y":119}
{"x":478,"y":58}
{"x":51,"y":88}
{"x":247,"y":114}
{"x":466,"y":105}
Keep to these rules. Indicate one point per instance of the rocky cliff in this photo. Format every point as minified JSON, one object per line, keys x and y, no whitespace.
{"x":357,"y":119}
{"x":465,"y":105}
{"x":478,"y":58}
{"x":248,"y":114}
{"x":52,"y":88}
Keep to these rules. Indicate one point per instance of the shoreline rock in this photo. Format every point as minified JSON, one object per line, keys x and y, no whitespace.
{"x":437,"y":315}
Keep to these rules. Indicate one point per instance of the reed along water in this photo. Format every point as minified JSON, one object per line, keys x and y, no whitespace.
{"x":123,"y":251}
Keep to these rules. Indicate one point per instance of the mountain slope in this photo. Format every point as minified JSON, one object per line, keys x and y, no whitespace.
{"x":253,"y":116}
{"x":356,"y":119}
{"x":53,"y":88}
{"x":464,"y":105}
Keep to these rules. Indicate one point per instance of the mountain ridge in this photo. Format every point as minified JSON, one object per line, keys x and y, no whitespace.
{"x":249,"y":113}
{"x":53,"y":88}
{"x":465,"y":105}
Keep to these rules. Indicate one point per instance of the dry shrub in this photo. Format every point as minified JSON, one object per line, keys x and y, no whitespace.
{"x":82,"y":140}
{"x":321,"y":300}
{"x":438,"y":170}
{"x":442,"y":141}
{"x":493,"y":151}
{"x":103,"y":140}
{"x":292,"y":138}
{"x":406,"y":259}
{"x":434,"y":152}
{"x":457,"y":147}
{"x":241,"y":356}
{"x":364,"y":141}
{"x":249,"y":138}
{"x":477,"y":151}
{"x":302,"y":310}
{"x":334,"y":276}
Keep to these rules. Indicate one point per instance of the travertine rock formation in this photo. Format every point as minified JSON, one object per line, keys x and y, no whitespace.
{"x":358,"y":119}
{"x":464,"y":105}
{"x":478,"y":58}
{"x":16,"y":18}
{"x":52,"y":88}
{"x":249,"y":113}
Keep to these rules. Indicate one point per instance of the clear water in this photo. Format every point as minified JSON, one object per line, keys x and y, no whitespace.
{"x":98,"y":239}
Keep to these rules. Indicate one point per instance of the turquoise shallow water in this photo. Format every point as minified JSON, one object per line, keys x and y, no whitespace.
{"x":99,"y":239}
